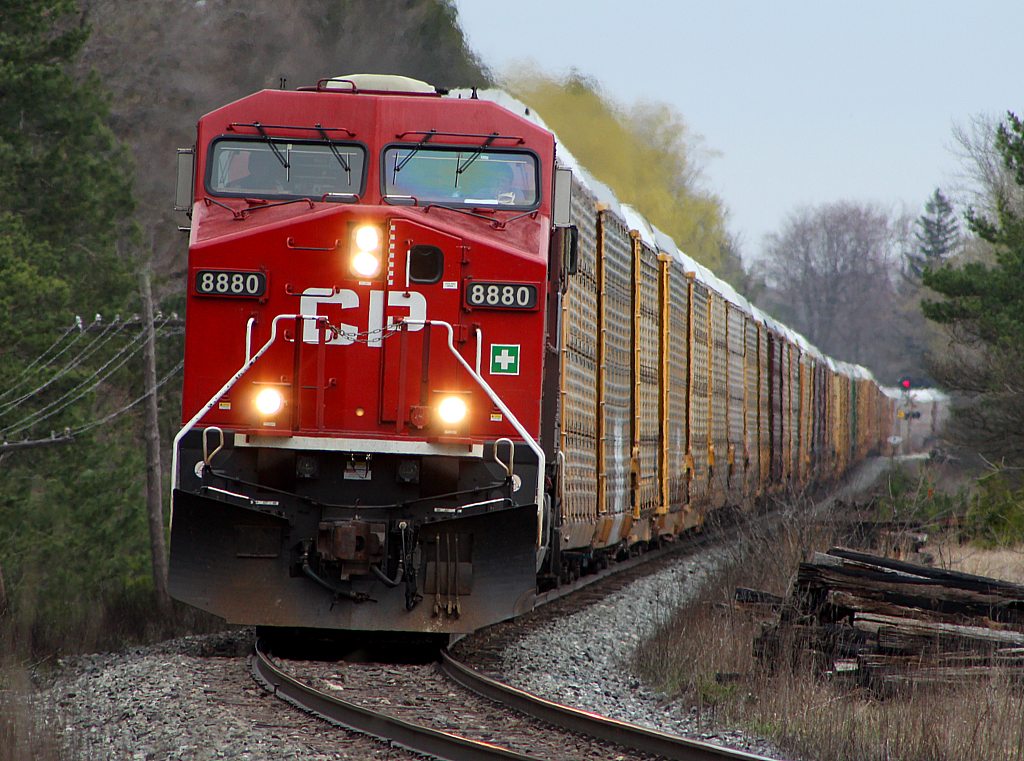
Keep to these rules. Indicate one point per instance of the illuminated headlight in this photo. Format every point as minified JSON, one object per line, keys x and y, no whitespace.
{"x":452,"y":410}
{"x":367,"y":238}
{"x":365,"y":251}
{"x":365,"y":264}
{"x":269,"y":401}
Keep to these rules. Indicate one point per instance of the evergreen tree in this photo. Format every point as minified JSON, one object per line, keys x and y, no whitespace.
{"x":937,"y":237}
{"x":65,"y":192}
{"x":985,"y":313}
{"x":71,"y":534}
{"x":62,"y":173}
{"x":986,"y":301}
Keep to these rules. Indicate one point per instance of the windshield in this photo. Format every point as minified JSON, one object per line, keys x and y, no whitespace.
{"x":314,"y":169}
{"x":466,"y":176}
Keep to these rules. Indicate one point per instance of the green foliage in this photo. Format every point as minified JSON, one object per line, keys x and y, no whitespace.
{"x":420,"y":39}
{"x":646,"y":154}
{"x":983,"y":311}
{"x":996,"y":514}
{"x":64,"y":179}
{"x":991,"y":515}
{"x":61,"y":170}
{"x":920,"y":502}
{"x":981,"y":299}
{"x":29,"y":300}
{"x":73,"y":534}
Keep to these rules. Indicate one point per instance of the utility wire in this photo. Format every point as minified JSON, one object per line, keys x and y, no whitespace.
{"x":99,"y":342}
{"x":80,"y":390}
{"x":111,"y":416}
{"x":85,"y":354}
{"x":19,"y":381}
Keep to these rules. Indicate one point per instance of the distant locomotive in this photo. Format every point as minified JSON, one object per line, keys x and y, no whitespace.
{"x":430,"y":369}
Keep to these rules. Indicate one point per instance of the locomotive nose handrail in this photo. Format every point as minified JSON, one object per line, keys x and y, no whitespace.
{"x":249,"y":362}
{"x":520,"y":428}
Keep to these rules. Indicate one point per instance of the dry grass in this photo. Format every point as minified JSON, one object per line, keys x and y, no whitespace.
{"x":823,"y":720}
{"x":25,"y":733}
{"x":1006,"y":564}
{"x":703,"y":655}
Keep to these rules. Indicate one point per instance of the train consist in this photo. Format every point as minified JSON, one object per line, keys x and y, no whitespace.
{"x":432,"y":368}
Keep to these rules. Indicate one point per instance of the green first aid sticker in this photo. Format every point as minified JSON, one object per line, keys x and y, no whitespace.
{"x":504,"y":359}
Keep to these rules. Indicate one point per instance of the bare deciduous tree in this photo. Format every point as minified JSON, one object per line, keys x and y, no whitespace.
{"x":983,"y":179}
{"x":830,"y":273}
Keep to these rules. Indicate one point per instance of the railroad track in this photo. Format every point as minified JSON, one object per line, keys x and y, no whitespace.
{"x":614,"y":739}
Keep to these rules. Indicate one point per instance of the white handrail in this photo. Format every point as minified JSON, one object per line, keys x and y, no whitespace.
{"x":227,"y":386}
{"x":520,"y":429}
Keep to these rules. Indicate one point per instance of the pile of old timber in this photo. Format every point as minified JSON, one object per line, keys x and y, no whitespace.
{"x":890,"y":625}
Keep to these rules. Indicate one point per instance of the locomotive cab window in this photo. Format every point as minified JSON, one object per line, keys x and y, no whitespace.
{"x":462,"y":176}
{"x":285,"y":169}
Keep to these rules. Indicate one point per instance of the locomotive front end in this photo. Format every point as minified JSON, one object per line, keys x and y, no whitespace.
{"x":367,"y":306}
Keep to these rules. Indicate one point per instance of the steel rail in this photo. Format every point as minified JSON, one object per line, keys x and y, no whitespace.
{"x":603,"y":728}
{"x":405,"y":734}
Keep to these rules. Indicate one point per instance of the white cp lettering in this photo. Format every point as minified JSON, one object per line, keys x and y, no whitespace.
{"x":311,"y":298}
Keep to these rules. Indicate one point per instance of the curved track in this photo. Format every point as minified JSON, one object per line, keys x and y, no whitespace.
{"x":632,"y":736}
{"x":411,"y":736}
{"x":445,"y":745}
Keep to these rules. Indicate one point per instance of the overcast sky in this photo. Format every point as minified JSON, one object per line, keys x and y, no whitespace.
{"x":806,"y":102}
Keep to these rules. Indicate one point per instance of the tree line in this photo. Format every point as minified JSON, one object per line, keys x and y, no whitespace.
{"x":95,"y":95}
{"x":934,"y":299}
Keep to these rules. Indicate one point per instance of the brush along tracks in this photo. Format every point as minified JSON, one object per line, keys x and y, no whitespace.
{"x":420,"y":709}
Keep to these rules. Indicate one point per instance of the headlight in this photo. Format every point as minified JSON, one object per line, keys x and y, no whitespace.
{"x":367,"y":238}
{"x":365,"y":250}
{"x":365,"y":264}
{"x":269,"y":401}
{"x":452,"y":410}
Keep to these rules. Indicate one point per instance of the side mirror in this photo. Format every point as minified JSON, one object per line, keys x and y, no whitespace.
{"x":562,"y":201}
{"x":565,"y":256}
{"x":186,"y":177}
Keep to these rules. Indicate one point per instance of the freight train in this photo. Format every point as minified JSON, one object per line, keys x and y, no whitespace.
{"x":432,"y":367}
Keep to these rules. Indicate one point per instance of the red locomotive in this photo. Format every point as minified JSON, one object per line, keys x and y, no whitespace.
{"x":367,"y":305}
{"x":428,"y":373}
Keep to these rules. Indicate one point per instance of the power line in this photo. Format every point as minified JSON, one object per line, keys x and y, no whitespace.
{"x":54,"y":440}
{"x":76,"y":393}
{"x":95,"y":327}
{"x":68,"y":435}
{"x":77,"y":324}
{"x":98,"y":343}
{"x":101,"y":421}
{"x":169,"y":326}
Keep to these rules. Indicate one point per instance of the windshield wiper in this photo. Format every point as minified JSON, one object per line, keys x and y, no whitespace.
{"x":270,"y":142}
{"x":336,"y":152}
{"x":400,"y":165}
{"x":460,"y":168}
